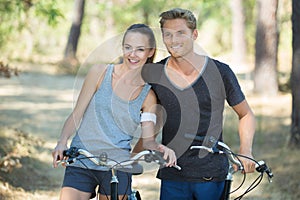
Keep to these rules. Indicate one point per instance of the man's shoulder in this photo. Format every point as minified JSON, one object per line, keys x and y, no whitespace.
{"x":222,"y":67}
{"x":219,"y":63}
{"x":151,"y":72}
{"x":163,"y":61}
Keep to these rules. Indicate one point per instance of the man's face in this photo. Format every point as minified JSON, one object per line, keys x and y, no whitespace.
{"x":178,"y":38}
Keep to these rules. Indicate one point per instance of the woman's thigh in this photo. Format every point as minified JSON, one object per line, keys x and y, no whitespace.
{"x":80,"y":180}
{"x":68,"y":193}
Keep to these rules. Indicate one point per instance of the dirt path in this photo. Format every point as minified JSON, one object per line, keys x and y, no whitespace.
{"x":36,"y":103}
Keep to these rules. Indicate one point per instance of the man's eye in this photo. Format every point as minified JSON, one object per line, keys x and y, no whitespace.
{"x":180,"y":33}
{"x":167,"y":34}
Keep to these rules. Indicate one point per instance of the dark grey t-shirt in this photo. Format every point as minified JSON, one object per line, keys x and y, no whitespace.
{"x":196,"y":110}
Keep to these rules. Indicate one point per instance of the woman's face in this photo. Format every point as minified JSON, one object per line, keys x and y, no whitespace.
{"x":136,"y":49}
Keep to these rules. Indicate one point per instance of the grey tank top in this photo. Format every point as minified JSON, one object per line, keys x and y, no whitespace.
{"x":109,"y":124}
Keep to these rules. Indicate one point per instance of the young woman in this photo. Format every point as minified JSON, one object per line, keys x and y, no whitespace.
{"x":113,"y":102}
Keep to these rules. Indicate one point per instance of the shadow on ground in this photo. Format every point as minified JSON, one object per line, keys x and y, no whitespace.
{"x":24,"y":161}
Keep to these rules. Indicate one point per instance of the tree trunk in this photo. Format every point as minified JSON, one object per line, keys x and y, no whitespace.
{"x":239,"y":45}
{"x":266,"y":48}
{"x":295,"y":76}
{"x":71,"y":48}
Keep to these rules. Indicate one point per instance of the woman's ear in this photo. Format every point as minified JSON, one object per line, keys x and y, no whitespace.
{"x":151,"y":53}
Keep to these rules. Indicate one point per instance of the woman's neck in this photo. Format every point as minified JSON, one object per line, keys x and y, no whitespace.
{"x":128,"y":75}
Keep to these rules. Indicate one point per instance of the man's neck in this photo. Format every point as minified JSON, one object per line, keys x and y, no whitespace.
{"x":187,"y":65}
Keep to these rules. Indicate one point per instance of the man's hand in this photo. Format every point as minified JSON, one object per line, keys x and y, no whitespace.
{"x":249,"y":165}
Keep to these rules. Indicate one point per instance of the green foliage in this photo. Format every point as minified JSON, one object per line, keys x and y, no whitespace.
{"x":214,"y":10}
{"x":49,"y":10}
{"x":47,"y":22}
{"x":15,"y":15}
{"x":10,"y":18}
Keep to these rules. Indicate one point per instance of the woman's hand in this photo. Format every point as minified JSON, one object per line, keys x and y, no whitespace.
{"x":57,"y":153}
{"x":169,"y":155}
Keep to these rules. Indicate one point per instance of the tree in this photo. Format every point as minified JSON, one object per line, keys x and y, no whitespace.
{"x":295,"y":75}
{"x":266,"y":48}
{"x":239,"y":45}
{"x":71,"y":47}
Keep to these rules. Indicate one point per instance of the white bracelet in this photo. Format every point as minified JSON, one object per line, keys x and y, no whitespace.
{"x":147,"y":116}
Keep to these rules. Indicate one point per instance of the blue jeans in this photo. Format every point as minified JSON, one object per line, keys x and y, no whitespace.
{"x":191,"y":190}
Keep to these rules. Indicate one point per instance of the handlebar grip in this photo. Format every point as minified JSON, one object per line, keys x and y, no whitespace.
{"x":262,"y":167}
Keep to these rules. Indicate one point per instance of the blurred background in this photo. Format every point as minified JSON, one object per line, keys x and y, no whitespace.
{"x":47,"y":46}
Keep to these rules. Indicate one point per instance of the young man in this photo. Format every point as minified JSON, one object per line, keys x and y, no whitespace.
{"x":192,"y":90}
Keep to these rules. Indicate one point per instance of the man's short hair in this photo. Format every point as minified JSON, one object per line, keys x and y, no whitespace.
{"x":179,"y":13}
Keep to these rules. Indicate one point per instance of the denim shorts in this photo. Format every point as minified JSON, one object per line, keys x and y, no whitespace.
{"x":177,"y":190}
{"x":87,"y":180}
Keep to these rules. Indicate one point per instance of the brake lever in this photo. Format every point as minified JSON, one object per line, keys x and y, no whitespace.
{"x":262,"y":167}
{"x":158,"y":157}
{"x":71,"y":155}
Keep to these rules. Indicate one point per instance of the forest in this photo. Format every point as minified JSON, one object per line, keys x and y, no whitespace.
{"x":46,"y":48}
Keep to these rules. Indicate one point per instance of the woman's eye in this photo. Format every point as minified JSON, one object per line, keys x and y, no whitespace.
{"x":141,"y":50}
{"x":127,"y":48}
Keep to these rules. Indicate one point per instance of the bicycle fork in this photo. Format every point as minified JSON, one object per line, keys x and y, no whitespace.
{"x":114,"y":185}
{"x":227,"y":187}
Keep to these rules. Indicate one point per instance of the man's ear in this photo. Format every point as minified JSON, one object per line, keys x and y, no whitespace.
{"x":195,"y":34}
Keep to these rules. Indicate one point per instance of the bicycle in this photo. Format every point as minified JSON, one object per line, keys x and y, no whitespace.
{"x":72,"y":154}
{"x":219,"y":147}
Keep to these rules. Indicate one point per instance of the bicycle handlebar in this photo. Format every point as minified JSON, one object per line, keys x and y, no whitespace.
{"x":222,"y":148}
{"x":103,"y":160}
{"x":215,"y":150}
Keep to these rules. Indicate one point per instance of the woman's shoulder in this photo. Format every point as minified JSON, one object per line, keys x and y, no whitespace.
{"x":98,"y":68}
{"x":96,"y":73}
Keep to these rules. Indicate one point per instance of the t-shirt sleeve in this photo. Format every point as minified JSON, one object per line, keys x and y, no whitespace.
{"x":234,"y":94}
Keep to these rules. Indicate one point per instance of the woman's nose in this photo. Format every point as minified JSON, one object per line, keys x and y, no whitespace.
{"x":132,"y":52}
